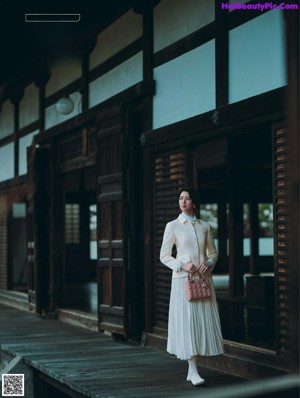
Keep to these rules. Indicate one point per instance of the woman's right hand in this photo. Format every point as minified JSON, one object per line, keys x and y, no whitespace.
{"x":189,"y":267}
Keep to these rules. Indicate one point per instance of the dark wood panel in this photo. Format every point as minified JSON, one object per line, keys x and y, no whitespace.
{"x":111,"y":264}
{"x":104,"y":219}
{"x":117,"y":221}
{"x":109,"y":151}
{"x":38,"y":227}
{"x":103,"y":282}
{"x":109,"y":179}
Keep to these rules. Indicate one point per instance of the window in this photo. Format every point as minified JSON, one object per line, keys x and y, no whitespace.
{"x":7,"y":169}
{"x":246,"y":220}
{"x":72,"y":223}
{"x":24,"y":142}
{"x":209,"y":213}
{"x":265,"y":234}
{"x":19,"y":210}
{"x":93,"y":232}
{"x":265,"y":218}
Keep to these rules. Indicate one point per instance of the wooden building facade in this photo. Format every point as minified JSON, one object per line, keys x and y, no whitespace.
{"x":165,"y":94}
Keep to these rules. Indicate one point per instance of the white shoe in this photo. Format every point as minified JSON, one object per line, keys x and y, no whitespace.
{"x":196,"y":380}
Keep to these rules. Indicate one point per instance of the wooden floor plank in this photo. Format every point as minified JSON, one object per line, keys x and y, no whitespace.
{"x":93,"y":365}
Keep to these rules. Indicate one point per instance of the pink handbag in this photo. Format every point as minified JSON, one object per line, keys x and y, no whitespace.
{"x":197,"y":289}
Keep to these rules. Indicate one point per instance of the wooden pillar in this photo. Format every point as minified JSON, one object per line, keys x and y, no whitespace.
{"x":254,"y":237}
{"x":86,"y":48}
{"x":148,"y":64}
{"x":56,"y":212}
{"x":222,"y":229}
{"x":15,"y":98}
{"x":221,"y":53}
{"x":16,"y":139}
{"x":148,"y":234}
{"x":292,"y":41}
{"x":85,"y":81}
{"x":41,"y":80}
{"x":236,"y":269}
{"x":146,"y":9}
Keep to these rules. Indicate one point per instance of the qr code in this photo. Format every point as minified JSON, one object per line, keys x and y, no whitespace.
{"x":13,"y":385}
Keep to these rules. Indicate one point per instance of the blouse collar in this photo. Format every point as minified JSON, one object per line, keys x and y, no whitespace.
{"x":184,"y":217}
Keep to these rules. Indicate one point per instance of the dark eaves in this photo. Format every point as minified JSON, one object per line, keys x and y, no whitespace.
{"x":27,"y":49}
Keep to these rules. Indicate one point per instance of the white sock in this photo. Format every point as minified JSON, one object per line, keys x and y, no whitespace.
{"x":193,"y":366}
{"x":193,"y":374}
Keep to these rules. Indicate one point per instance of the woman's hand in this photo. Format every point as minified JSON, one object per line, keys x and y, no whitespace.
{"x":189,"y":267}
{"x":203,"y":268}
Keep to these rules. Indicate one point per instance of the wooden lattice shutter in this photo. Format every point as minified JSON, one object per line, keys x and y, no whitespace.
{"x":282,"y":288}
{"x":170,"y":176}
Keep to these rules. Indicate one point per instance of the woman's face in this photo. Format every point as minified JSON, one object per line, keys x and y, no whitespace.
{"x":185,"y":203}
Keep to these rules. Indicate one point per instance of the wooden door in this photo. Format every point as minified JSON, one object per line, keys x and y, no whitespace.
{"x":38,"y":227}
{"x":171,"y":174}
{"x":282,"y":266}
{"x":111,"y":179}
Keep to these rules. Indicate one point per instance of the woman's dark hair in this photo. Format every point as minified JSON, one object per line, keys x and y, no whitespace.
{"x":194,"y":195}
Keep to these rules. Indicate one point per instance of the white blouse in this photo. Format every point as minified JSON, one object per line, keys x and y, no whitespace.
{"x":194,"y":243}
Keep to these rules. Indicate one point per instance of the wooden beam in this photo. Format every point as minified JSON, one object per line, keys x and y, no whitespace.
{"x":261,"y":109}
{"x":184,"y":45}
{"x":148,"y":66}
{"x":221,"y":54}
{"x":117,"y":59}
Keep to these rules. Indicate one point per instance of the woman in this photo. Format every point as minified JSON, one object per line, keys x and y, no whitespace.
{"x":194,"y":327}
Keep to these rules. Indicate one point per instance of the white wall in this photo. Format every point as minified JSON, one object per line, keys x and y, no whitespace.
{"x":24,"y":142}
{"x":175,"y":19}
{"x":7,"y":169}
{"x":256,"y":56}
{"x":118,"y":79}
{"x":185,"y":86}
{"x":53,"y":117}
{"x":63,"y":72}
{"x":6,"y":119}
{"x":117,"y":36}
{"x":29,"y":106}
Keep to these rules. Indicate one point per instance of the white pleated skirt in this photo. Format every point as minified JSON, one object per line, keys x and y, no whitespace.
{"x":194,"y":327}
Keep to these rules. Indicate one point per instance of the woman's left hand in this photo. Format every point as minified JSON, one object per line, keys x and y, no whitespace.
{"x":202,"y":268}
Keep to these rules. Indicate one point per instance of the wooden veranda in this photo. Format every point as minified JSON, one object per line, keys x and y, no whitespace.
{"x":67,"y":361}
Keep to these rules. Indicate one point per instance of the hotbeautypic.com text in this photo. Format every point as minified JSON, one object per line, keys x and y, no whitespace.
{"x":259,"y":6}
